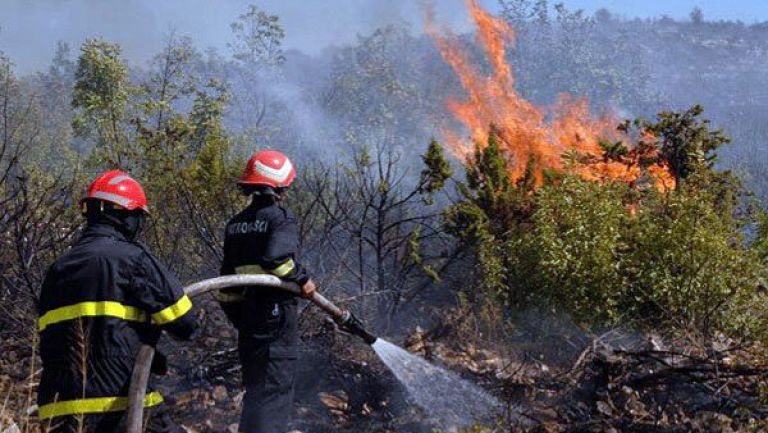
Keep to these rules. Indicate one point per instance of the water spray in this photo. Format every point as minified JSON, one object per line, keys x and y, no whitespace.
{"x":346,"y":321}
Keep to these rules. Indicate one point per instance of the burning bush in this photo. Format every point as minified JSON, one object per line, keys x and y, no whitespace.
{"x":610,"y":253}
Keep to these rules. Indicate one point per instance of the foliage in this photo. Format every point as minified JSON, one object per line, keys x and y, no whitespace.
{"x":570,"y":255}
{"x":679,"y":141}
{"x":371,"y":84}
{"x":183,"y":159}
{"x":607,"y":253}
{"x":687,"y":265}
{"x":255,"y":111}
{"x":492,"y":210}
{"x":100,"y":97}
{"x":258,"y":37}
{"x":437,"y":170}
{"x":582,"y":56}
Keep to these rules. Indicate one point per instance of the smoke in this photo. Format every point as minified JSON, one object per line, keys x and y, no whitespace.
{"x":312,"y":129}
{"x":29,"y":30}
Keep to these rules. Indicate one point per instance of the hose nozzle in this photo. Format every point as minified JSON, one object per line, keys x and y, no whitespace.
{"x":351,"y":324}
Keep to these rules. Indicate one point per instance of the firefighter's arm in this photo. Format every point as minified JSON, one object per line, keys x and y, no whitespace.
{"x":162,"y":296}
{"x":280,"y":254}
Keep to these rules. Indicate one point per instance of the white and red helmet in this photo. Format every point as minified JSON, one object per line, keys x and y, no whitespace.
{"x":119,"y":188}
{"x":270,"y":168}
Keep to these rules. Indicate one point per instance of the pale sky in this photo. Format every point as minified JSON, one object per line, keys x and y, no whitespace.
{"x":29,"y":29}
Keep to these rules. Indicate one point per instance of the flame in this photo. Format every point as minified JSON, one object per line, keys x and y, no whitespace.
{"x":526,"y":132}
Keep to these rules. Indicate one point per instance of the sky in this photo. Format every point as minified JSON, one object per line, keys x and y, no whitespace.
{"x":29,"y":29}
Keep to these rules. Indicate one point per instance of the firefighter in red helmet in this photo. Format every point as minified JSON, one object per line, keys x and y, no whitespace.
{"x":263,"y":239}
{"x":99,"y":302}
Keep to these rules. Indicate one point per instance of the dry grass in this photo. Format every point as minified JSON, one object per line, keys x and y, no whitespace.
{"x":18,"y":412}
{"x":19,"y":376}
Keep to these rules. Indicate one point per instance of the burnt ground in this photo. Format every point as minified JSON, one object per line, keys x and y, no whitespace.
{"x":340,"y":385}
{"x":564,"y":380}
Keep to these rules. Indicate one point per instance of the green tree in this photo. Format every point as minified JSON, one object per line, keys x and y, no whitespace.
{"x":209,"y":196}
{"x":100,"y":99}
{"x":373,"y":91}
{"x":183,"y":158}
{"x":257,"y":47}
{"x":258,"y":38}
{"x":170,"y":79}
{"x":568,"y":258}
{"x":491,"y":211}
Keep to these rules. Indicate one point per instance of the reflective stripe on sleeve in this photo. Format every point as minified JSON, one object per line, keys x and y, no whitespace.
{"x":279,"y":271}
{"x":91,"y":309}
{"x":250,"y":269}
{"x":93,"y":405}
{"x":284,"y":269}
{"x":173,"y":312}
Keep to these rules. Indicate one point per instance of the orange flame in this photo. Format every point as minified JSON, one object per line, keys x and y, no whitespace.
{"x":525,"y":132}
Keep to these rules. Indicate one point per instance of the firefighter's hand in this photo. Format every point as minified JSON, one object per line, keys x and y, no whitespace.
{"x":308,"y":289}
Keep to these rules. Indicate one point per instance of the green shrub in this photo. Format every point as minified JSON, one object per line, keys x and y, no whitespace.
{"x":668,"y":261}
{"x":570,"y":255}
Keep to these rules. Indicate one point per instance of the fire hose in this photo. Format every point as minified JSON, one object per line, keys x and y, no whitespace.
{"x":141,"y":369}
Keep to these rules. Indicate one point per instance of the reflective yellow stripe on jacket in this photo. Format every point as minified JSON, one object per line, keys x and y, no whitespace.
{"x":91,"y":309}
{"x":93,"y":405}
{"x":113,"y":309}
{"x":280,"y":271}
{"x":169,"y":314}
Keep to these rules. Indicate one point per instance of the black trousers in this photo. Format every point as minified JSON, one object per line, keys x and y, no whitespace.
{"x":268,"y":376}
{"x":157,"y":420}
{"x":269,"y":357}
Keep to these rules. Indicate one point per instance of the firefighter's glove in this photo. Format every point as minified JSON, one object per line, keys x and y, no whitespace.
{"x":308,"y":289}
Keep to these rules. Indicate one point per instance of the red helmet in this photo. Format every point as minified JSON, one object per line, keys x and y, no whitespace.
{"x":270,"y":168}
{"x":118,"y":187}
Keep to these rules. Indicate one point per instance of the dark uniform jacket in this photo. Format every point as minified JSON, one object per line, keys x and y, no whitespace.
{"x":101,"y":300}
{"x":263,"y":239}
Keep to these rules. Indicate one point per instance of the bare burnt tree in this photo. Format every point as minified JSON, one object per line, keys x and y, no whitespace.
{"x":381,"y":224}
{"x":34,"y":200}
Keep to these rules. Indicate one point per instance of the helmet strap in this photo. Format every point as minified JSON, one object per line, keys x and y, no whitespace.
{"x":260,"y":190}
{"x":90,"y":206}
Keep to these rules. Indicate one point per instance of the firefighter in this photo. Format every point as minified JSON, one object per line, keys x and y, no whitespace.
{"x":263,"y":239}
{"x":99,"y":301}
